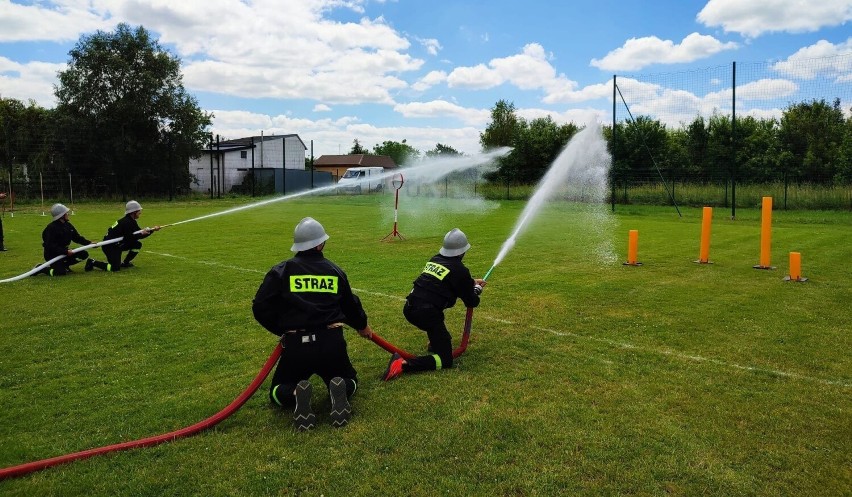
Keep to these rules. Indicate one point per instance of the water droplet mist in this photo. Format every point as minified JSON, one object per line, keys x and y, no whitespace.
{"x":579,"y":172}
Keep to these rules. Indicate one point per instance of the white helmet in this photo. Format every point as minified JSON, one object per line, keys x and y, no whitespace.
{"x":308,"y":234}
{"x":58,"y":210}
{"x":455,"y":243}
{"x":132,"y":206}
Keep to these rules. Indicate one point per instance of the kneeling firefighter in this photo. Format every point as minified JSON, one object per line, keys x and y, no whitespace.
{"x":443,"y":280}
{"x":128,"y":229}
{"x":306,"y":300}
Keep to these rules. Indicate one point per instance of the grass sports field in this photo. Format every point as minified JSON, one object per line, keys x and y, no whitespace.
{"x":583,"y":376}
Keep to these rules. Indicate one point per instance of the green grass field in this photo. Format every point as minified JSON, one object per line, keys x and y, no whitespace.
{"x":583,"y":376}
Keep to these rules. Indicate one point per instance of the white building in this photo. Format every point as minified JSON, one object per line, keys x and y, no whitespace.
{"x":226,"y":164}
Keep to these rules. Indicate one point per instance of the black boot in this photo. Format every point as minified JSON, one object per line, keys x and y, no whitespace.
{"x":129,"y":257}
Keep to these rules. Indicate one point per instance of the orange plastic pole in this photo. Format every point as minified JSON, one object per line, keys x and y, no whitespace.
{"x":765,"y":232}
{"x":795,"y":266}
{"x":632,"y":246}
{"x":706,"y":222}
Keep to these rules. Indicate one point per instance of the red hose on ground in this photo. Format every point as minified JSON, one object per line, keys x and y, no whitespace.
{"x":23,"y":469}
{"x":381,"y":342}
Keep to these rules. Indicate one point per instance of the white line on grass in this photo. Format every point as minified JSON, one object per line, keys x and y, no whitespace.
{"x":696,"y":358}
{"x":608,"y":341}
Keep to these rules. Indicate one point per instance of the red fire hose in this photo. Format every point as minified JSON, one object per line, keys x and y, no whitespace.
{"x":30,"y":467}
{"x":23,"y":469}
{"x":381,"y":342}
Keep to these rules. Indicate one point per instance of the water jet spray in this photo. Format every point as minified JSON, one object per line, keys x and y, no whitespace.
{"x":586,"y":149}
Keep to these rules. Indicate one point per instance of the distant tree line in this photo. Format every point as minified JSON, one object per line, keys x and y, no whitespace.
{"x":811,"y":143}
{"x":402,"y":153}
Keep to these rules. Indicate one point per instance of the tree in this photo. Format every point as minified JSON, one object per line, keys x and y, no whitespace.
{"x":536,"y":146}
{"x":503,"y":129}
{"x":697,"y":138}
{"x":26,"y":139}
{"x":357,"y":149}
{"x":844,"y":172}
{"x":758,"y":150}
{"x":720,"y":158}
{"x":813,"y":132}
{"x":442,"y":150}
{"x":641,"y":147}
{"x":401,"y":153}
{"x":123,"y":96}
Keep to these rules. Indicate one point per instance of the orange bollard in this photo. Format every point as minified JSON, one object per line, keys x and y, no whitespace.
{"x":795,"y":268}
{"x":704,"y":248}
{"x":632,"y":248}
{"x":765,"y":234}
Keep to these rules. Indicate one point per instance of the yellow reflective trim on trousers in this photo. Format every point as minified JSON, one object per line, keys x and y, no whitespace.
{"x":275,"y":396}
{"x":308,"y":283}
{"x":436,"y":270}
{"x":438,"y":363}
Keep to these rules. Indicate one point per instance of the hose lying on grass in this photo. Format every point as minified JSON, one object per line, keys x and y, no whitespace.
{"x":23,"y":469}
{"x":381,"y":342}
{"x":30,"y":467}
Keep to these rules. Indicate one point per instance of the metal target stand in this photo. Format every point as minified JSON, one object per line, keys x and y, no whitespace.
{"x":397,"y":181}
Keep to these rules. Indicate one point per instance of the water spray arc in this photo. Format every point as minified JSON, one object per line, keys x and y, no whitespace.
{"x":587,"y":149}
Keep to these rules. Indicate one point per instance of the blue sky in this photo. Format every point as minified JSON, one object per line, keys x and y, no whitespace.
{"x":424,"y":71}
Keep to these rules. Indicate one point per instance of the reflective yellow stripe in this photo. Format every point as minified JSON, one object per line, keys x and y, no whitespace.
{"x":307,"y":283}
{"x":436,"y":270}
{"x":275,"y":396}
{"x":438,"y":363}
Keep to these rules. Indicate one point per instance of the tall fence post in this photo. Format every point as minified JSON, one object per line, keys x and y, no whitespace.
{"x":765,"y":234}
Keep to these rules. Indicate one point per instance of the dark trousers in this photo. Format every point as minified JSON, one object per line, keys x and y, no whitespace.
{"x":431,"y":320}
{"x":320,"y":352}
{"x":114,"y":250}
{"x":63,"y":266}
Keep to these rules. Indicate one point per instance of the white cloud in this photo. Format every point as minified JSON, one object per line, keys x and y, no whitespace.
{"x":590,"y":92}
{"x":529,"y":70}
{"x":442,"y":108}
{"x":580,"y":117}
{"x":49,"y":21}
{"x":430,"y":80}
{"x":257,"y":50}
{"x":432,"y":45}
{"x":821,"y":58}
{"x":478,"y":77}
{"x":321,"y":108}
{"x":675,"y":107}
{"x":756,"y":17}
{"x":30,"y":81}
{"x":637,"y":53}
